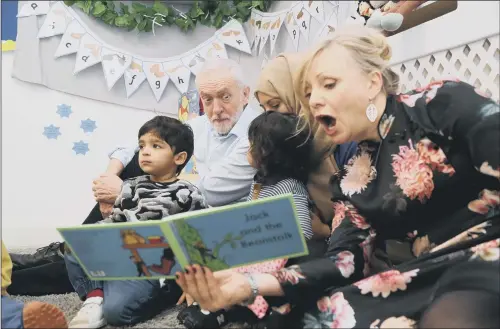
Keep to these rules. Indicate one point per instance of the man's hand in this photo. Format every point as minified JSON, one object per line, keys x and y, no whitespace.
{"x":106,"y":188}
{"x":106,"y":209}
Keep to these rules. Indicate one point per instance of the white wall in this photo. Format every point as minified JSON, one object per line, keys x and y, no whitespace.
{"x":44,"y":184}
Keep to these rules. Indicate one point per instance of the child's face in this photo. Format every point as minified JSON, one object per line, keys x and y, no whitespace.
{"x":157,"y":158}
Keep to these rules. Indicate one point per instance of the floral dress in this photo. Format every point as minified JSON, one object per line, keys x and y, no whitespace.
{"x":433,"y":181}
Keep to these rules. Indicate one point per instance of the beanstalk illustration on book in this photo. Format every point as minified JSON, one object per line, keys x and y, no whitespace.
{"x":199,"y":252}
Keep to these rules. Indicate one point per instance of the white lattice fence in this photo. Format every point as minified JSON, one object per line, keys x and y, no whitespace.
{"x":476,"y":63}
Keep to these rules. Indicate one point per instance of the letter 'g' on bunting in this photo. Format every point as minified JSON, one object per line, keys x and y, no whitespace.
{"x":157,"y":77}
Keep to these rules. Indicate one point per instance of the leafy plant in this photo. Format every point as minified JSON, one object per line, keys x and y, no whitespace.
{"x":142,"y":17}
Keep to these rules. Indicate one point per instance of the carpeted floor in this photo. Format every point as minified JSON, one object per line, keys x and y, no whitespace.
{"x":70,"y":304}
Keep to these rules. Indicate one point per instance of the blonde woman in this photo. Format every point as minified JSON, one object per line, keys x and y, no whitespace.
{"x":427,"y":169}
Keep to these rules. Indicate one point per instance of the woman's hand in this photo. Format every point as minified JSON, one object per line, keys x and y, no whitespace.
{"x":214,"y":291}
{"x":185,"y":298}
{"x":106,"y":188}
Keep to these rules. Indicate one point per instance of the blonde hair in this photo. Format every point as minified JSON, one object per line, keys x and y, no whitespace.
{"x":368,"y":47}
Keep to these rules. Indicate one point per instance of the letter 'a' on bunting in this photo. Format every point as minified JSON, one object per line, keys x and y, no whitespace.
{"x":70,"y":41}
{"x":134,"y":76}
{"x":89,"y":53}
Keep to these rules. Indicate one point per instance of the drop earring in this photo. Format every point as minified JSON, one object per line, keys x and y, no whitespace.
{"x":371,"y":111}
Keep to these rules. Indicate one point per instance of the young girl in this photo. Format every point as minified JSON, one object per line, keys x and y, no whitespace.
{"x":281,"y":156}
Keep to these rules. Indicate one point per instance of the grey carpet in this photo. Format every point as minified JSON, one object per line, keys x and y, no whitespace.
{"x":70,"y":304}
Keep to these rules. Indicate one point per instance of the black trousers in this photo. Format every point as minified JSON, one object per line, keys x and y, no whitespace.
{"x":52,"y":278}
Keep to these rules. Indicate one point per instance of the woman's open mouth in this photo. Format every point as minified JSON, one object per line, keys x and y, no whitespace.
{"x":328,"y":122}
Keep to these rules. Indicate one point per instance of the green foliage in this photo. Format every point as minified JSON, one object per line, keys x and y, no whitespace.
{"x":209,"y":13}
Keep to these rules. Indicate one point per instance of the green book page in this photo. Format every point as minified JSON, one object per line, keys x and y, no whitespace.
{"x":240,"y":234}
{"x":123,"y":251}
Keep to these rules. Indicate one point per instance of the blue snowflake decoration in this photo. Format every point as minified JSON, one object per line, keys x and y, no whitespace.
{"x":51,"y":132}
{"x":80,"y":147}
{"x":88,"y":126}
{"x":64,"y":110}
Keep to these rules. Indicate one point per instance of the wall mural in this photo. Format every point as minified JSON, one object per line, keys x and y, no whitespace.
{"x":9,"y":25}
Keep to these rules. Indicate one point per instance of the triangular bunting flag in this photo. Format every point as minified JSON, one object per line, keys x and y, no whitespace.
{"x":114,"y":65}
{"x":275,"y":30}
{"x":328,"y":27}
{"x":179,"y":74}
{"x":251,"y":29}
{"x":303,"y":19}
{"x":213,"y":49}
{"x":194,"y":62}
{"x":257,"y":32}
{"x":264,"y":62}
{"x":233,"y":35}
{"x":70,"y":41}
{"x":293,"y":29}
{"x":55,"y":22}
{"x":157,"y":78}
{"x":134,"y":76}
{"x":264,"y":32}
{"x":34,"y":8}
{"x":89,"y":53}
{"x":316,"y":9}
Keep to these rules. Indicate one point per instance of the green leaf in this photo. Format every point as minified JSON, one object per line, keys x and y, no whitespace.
{"x":142,"y":25}
{"x":160,"y":8}
{"x":69,"y":3}
{"x":110,"y":5}
{"x":218,"y":20}
{"x":138,"y":8}
{"x":170,"y":20}
{"x":124,"y":8}
{"x":149,"y":26}
{"x":122,"y":21}
{"x":109,"y":17}
{"x":99,"y":9}
{"x":181,"y":22}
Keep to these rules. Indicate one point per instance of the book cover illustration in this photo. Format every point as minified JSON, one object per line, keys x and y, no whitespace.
{"x":120,"y":252}
{"x":189,"y":108}
{"x":241,"y":234}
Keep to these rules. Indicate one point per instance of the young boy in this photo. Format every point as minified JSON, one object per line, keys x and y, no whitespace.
{"x":166,"y":145}
{"x":17,"y":315}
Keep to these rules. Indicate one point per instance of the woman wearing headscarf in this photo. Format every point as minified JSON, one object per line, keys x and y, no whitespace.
{"x":275,"y":92}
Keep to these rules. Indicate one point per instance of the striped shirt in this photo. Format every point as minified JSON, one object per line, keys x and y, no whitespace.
{"x":300,"y":197}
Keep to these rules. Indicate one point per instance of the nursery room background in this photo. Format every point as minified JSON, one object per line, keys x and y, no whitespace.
{"x":74,"y":87}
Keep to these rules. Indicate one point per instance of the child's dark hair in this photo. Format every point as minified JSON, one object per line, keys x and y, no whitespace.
{"x":175,"y":133}
{"x":278,"y":149}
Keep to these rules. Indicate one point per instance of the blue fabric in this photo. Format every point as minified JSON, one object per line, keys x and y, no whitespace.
{"x":9,"y":20}
{"x":125,"y":302}
{"x":12,"y":313}
{"x":344,"y":152}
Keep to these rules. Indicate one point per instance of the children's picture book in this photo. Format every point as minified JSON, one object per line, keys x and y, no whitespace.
{"x":189,"y":108}
{"x":218,"y":238}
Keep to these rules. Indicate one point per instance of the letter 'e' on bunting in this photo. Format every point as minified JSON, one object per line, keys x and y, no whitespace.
{"x":34,"y":8}
{"x":179,"y":74}
{"x":293,"y":29}
{"x":157,"y":77}
{"x":134,"y":76}
{"x":233,"y":35}
{"x":55,"y":22}
{"x":194,"y":62}
{"x":303,"y":19}
{"x":316,"y":9}
{"x":89,"y":53}
{"x":275,"y":28}
{"x":70,"y":41}
{"x":114,"y":65}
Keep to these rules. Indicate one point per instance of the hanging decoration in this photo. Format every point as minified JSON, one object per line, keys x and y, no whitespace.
{"x":78,"y":39}
{"x":145,"y":18}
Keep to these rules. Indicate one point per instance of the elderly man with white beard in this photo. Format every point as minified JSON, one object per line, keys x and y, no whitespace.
{"x":220,"y":138}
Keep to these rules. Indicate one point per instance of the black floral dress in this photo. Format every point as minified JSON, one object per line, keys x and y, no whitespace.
{"x":434,"y":175}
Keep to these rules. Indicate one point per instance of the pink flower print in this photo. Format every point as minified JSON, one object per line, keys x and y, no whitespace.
{"x":385,"y":125}
{"x":342,"y":311}
{"x":412,"y":235}
{"x":291,"y":275}
{"x":413,"y":176}
{"x":431,"y":154}
{"x":340,"y":210}
{"x":482,"y":93}
{"x":430,"y":86}
{"x":324,"y":304}
{"x":356,"y":219}
{"x":488,"y":251}
{"x":345,"y":263}
{"x":359,"y":173}
{"x":487,"y":200}
{"x":367,"y":247}
{"x":393,"y":322}
{"x":386,"y":282}
{"x":488,"y":170}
